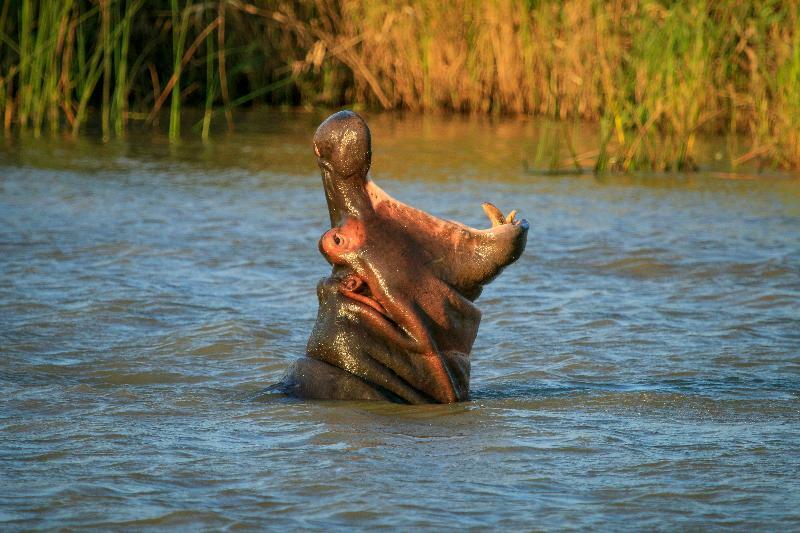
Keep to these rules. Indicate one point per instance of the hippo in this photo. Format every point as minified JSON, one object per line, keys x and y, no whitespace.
{"x":397,"y":317}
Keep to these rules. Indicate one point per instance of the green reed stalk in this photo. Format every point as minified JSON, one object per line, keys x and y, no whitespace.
{"x":105,"y":35}
{"x":61,"y":21}
{"x":5,"y":76}
{"x":120,"y":60}
{"x":210,"y":86}
{"x":223,"y":73}
{"x":180,"y":25}
{"x":89,"y":77}
{"x":90,"y":71}
{"x":81,"y":55}
{"x":25,"y":55}
{"x":119,"y":109}
{"x":40,"y":68}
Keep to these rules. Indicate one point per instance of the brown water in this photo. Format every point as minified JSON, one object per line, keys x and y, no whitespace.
{"x":638,"y":368}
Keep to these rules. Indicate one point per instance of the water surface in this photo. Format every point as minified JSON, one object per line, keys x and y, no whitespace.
{"x":638,"y":368}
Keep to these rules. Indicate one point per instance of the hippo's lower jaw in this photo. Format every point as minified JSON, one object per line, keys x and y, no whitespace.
{"x":312,"y":379}
{"x":396,"y":319}
{"x":357,"y":352}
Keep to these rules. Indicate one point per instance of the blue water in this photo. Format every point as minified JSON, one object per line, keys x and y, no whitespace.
{"x":638,"y":368}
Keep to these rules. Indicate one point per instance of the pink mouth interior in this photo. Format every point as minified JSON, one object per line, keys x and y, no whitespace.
{"x":356,"y":288}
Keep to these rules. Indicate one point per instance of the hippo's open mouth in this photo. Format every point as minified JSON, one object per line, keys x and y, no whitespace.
{"x":356,"y":288}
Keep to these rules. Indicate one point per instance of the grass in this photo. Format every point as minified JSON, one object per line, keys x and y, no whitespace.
{"x":653,"y":74}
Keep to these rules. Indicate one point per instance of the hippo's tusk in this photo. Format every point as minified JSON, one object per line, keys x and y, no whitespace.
{"x":494,"y":214}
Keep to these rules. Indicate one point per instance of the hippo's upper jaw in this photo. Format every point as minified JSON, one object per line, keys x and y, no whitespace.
{"x":396,"y":318}
{"x":343,"y":148}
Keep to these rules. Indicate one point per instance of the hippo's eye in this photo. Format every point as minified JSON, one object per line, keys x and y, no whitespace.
{"x":337,"y":239}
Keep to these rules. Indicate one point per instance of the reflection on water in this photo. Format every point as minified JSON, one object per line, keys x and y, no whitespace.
{"x":638,"y":367}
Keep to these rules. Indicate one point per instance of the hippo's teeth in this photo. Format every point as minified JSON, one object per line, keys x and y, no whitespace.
{"x":510,"y":217}
{"x":494,"y":214}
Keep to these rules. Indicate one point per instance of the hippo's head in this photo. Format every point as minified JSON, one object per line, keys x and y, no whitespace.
{"x":396,"y":317}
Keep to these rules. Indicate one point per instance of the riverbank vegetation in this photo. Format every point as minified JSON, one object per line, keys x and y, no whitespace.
{"x":653,"y":74}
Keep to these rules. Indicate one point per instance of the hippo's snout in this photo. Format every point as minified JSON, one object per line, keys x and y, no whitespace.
{"x":340,"y":241}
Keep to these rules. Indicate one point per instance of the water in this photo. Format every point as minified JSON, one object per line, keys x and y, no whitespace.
{"x":638,"y":368}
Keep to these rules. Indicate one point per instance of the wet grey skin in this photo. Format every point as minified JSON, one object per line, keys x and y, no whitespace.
{"x":397,"y":318}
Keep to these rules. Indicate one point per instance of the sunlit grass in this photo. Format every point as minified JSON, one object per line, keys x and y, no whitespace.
{"x":653,"y":75}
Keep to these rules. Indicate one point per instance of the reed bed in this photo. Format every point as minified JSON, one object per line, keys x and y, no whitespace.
{"x":653,"y":74}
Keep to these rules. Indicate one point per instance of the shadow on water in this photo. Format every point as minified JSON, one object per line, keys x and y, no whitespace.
{"x":733,"y":388}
